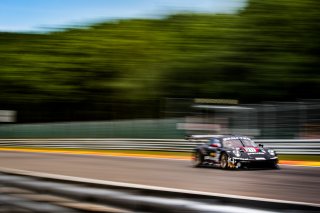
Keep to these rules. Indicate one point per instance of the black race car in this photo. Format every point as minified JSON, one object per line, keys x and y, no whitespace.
{"x":230,"y":151}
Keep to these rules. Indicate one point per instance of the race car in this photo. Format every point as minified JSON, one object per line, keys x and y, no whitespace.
{"x":231,"y":151}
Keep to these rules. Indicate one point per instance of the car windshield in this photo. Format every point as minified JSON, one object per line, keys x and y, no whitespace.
{"x":237,"y":142}
{"x":248,"y":142}
{"x":232,"y":143}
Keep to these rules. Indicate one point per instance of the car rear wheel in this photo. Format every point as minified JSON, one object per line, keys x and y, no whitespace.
{"x":197,"y":159}
{"x":224,"y":161}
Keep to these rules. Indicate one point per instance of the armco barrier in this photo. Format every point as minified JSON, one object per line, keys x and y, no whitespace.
{"x":305,"y":147}
{"x":125,"y":197}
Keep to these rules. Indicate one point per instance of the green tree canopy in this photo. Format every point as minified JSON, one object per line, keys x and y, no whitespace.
{"x":119,"y":69}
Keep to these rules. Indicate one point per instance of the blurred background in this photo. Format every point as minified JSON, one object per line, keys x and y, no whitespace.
{"x":247,"y":67}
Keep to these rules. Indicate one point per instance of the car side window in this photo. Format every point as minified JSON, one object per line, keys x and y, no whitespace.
{"x":211,"y":141}
{"x":214,"y":142}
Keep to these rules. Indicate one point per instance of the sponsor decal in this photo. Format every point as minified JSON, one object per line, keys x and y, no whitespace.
{"x":236,"y":138}
{"x":240,"y":159}
{"x":256,"y":153}
{"x":209,"y":158}
{"x":260,"y":158}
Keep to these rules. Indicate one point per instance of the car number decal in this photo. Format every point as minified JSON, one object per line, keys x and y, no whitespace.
{"x":250,"y":149}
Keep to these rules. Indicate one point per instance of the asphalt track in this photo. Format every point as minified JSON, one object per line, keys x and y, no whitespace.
{"x":289,"y":183}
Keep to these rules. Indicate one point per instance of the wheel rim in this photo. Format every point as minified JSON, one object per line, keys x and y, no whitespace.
{"x":224,"y":161}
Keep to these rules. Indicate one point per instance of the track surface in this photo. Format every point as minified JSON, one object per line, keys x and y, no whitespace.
{"x":288,"y":183}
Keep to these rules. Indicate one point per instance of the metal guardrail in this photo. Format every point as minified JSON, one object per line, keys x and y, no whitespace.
{"x":40,"y":192}
{"x":289,"y":146}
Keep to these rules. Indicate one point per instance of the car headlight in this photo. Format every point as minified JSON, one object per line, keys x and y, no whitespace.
{"x":237,"y":152}
{"x":271,"y":152}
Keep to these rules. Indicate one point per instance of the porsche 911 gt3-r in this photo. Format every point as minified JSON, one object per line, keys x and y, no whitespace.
{"x":230,"y":151}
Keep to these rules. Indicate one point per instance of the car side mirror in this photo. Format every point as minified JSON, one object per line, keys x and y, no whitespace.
{"x":260,"y":145}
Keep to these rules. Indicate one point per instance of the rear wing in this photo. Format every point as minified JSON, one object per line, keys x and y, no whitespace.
{"x":201,"y":137}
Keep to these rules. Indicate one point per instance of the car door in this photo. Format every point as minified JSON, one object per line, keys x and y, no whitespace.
{"x":214,"y":148}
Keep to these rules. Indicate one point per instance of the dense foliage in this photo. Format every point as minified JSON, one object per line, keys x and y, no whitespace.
{"x":124,"y":69}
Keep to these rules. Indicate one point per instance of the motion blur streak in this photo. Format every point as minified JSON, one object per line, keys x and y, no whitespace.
{"x":268,"y":50}
{"x":289,"y":183}
{"x":252,"y":72}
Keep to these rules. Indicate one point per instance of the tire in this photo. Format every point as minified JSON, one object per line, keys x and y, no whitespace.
{"x":197,"y":159}
{"x":224,"y":161}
